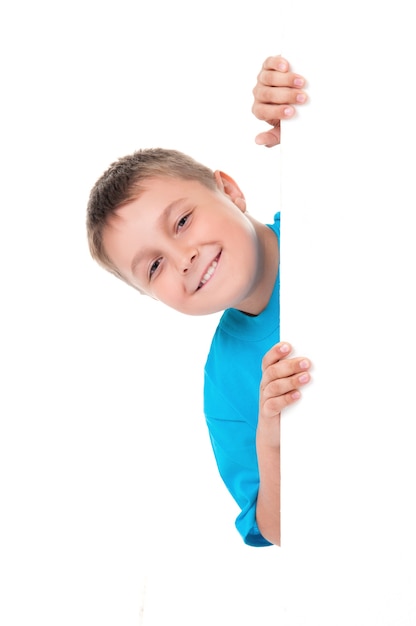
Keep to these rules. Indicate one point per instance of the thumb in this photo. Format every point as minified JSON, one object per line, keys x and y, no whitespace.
{"x":269,"y":138}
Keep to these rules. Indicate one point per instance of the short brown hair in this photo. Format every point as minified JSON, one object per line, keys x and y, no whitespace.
{"x":123,"y":182}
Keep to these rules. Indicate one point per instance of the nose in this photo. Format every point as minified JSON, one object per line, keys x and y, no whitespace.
{"x":186,"y":260}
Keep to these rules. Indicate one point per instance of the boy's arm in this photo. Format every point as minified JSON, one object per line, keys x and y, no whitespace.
{"x":277,"y":92}
{"x":281,"y":380}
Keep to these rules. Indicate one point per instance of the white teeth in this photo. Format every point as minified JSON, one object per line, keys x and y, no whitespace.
{"x":209,"y":273}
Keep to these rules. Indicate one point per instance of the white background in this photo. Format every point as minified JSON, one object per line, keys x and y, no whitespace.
{"x":112,"y":511}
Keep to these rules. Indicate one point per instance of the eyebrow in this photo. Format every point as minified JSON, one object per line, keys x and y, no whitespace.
{"x":163,"y":218}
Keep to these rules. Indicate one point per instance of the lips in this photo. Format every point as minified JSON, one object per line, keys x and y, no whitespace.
{"x":209,"y":272}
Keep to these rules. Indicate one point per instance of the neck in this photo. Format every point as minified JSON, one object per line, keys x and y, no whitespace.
{"x":267,"y":270}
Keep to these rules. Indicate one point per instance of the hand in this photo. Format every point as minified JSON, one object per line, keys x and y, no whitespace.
{"x":276,"y":91}
{"x":281,"y":380}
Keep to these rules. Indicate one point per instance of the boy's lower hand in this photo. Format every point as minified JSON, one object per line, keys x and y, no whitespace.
{"x":281,"y":382}
{"x":282,"y":379}
{"x":276,"y":93}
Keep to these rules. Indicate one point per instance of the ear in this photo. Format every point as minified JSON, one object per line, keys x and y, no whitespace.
{"x":229,"y":187}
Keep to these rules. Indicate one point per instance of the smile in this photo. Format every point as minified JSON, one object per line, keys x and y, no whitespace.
{"x":209,"y":272}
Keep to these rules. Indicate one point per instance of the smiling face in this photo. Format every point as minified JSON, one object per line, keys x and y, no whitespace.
{"x":190,"y":247}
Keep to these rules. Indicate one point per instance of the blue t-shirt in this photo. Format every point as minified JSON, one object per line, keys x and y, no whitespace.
{"x":231,"y":401}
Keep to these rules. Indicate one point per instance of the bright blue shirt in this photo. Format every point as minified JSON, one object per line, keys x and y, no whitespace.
{"x":231,"y":401}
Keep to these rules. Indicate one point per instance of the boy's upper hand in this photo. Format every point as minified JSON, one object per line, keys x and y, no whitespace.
{"x":276,"y":92}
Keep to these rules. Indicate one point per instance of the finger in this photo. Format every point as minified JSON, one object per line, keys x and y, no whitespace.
{"x":274,"y":406}
{"x":264,"y":95}
{"x":276,"y":72}
{"x":270,"y":138}
{"x":282,"y":386}
{"x":285,"y":368}
{"x":276,"y":62}
{"x":273,"y":114}
{"x":273,"y":78}
{"x":279,"y":394}
{"x":279,"y":351}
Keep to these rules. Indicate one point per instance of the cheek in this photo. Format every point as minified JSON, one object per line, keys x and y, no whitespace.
{"x":164,"y":290}
{"x":246,"y":248}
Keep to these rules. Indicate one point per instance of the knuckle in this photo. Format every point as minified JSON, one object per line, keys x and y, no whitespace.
{"x":275,"y":405}
{"x":272,"y":406}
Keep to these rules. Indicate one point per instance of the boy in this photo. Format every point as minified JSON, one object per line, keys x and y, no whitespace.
{"x":179,"y":232}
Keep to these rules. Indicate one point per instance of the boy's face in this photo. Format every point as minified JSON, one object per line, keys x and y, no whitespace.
{"x":187,"y":245}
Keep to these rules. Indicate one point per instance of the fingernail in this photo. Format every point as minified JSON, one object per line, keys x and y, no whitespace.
{"x":289,"y":111}
{"x":296,"y":395}
{"x":304,"y":378}
{"x":304,"y":364}
{"x":298,"y":82}
{"x":301,"y":97}
{"x":282,"y":66}
{"x":284,"y":348}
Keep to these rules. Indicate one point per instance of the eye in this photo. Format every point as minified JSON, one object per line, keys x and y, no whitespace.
{"x":154,"y":266}
{"x":182,"y":222}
